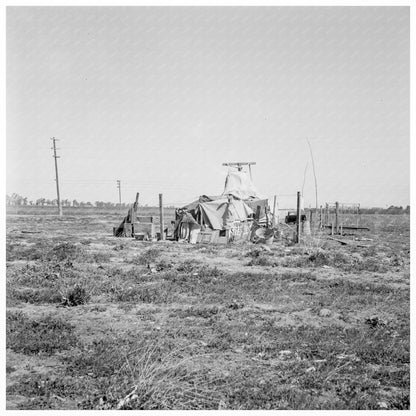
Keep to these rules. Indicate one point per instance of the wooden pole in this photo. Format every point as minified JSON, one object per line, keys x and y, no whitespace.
{"x":336,"y":217}
{"x":274,"y":211}
{"x":311,"y":217}
{"x":136,"y":202}
{"x":320,"y":217}
{"x":326,"y":219}
{"x":298,"y":219}
{"x":162,"y":233}
{"x":56,"y":175}
{"x":133,"y":212}
{"x":314,"y":175}
{"x":119,"y":193}
{"x":266,"y":211}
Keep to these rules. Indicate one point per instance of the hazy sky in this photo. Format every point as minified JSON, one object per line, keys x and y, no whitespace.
{"x":160,"y":97}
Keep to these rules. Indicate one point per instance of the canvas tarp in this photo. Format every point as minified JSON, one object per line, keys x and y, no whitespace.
{"x":263,"y":203}
{"x":203,"y":198}
{"x":239,"y":185}
{"x":221,"y":214}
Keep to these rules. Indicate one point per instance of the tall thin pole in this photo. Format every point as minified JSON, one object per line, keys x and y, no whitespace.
{"x":336,"y":217}
{"x":162,"y":233}
{"x":274,"y":211}
{"x":320,"y":218}
{"x":298,"y":218}
{"x":56,"y":175}
{"x":119,"y":192}
{"x":314,"y":175}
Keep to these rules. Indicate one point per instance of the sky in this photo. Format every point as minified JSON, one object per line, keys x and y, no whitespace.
{"x":159,"y":98}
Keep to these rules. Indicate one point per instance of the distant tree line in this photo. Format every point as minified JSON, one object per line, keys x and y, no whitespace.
{"x":16,"y":200}
{"x":392,"y":209}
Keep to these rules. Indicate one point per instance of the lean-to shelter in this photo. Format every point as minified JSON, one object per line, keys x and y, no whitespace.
{"x":223,"y":218}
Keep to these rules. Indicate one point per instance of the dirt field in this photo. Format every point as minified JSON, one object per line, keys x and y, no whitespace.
{"x":98,"y":322}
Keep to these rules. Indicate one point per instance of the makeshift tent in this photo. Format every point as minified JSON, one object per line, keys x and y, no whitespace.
{"x":228,"y":216}
{"x":222,"y":213}
{"x":220,"y":220}
{"x":239,"y":185}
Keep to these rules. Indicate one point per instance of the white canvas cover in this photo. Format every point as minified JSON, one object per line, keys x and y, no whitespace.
{"x":239,"y":185}
{"x":221,"y":214}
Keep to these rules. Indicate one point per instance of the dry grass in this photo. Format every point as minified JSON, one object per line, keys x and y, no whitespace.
{"x":136,"y":325}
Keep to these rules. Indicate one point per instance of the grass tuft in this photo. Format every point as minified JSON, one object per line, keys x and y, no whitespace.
{"x":33,"y":336}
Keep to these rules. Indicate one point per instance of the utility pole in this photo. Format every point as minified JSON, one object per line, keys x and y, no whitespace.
{"x":119,"y":192}
{"x":56,"y":175}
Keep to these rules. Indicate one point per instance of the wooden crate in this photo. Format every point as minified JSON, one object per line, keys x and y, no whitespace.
{"x":145,"y":228}
{"x":145,"y":219}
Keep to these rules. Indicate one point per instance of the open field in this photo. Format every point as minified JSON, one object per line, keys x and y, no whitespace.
{"x":98,"y":322}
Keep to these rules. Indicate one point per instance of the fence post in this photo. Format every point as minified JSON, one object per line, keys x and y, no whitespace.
{"x":311,"y":219}
{"x":336,"y":217}
{"x":274,"y":211}
{"x":298,"y":219}
{"x":162,"y":233}
{"x":326,"y":219}
{"x":320,"y":217}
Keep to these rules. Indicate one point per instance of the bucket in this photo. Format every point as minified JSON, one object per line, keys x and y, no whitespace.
{"x":260,"y":232}
{"x":269,"y":236}
{"x":194,"y":235}
{"x":265,"y":235}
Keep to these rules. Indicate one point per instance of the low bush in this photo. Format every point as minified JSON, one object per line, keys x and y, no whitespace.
{"x":76,"y":295}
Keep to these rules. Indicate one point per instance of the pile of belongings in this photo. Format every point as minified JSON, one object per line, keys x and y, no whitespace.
{"x":226,"y":217}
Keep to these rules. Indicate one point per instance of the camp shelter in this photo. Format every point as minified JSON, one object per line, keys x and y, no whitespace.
{"x":222,"y":213}
{"x":240,"y":186}
{"x":227,"y":217}
{"x":220,"y":220}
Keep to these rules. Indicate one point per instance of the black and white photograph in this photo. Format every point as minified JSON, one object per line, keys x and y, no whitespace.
{"x":207,"y":207}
